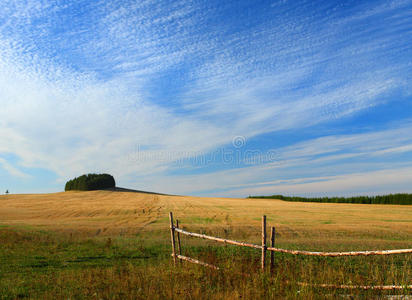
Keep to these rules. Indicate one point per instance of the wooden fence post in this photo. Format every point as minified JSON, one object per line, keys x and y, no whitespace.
{"x":272,"y":253}
{"x":172,"y":236}
{"x":179,"y":247}
{"x":263,"y":242}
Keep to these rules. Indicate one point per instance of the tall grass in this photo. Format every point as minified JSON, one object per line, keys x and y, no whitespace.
{"x":49,"y":265}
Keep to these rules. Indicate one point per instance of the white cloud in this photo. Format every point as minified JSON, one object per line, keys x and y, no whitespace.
{"x":77,"y":96}
{"x":301,"y":164}
{"x":12,"y":170}
{"x":371,"y":183}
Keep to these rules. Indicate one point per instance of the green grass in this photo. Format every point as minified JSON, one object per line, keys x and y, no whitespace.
{"x":48,"y":265}
{"x":327,"y":222}
{"x":200,"y":220}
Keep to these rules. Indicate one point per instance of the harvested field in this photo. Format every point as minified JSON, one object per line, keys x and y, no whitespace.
{"x":113,"y":212}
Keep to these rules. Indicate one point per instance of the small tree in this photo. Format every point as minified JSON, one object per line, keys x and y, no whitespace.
{"x":7,"y":191}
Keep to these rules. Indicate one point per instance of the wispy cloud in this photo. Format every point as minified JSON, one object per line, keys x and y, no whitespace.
{"x":83,"y":84}
{"x":12,"y":170}
{"x":369,"y":183}
{"x":314,"y":163}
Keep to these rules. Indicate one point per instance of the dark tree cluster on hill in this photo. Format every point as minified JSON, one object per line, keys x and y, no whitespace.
{"x":403,"y":199}
{"x":90,"y":182}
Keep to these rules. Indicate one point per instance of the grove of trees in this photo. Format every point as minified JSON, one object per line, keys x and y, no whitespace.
{"x":403,"y":199}
{"x":90,"y":182}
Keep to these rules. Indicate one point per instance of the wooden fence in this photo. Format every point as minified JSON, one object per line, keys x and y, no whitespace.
{"x":177,"y":254}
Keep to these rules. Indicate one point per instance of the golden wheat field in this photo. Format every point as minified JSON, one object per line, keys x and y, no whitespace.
{"x":101,"y":213}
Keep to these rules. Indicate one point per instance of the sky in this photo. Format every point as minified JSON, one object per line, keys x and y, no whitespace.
{"x":207,"y":98}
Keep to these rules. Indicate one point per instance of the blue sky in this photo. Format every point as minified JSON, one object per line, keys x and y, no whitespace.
{"x":210,"y":98}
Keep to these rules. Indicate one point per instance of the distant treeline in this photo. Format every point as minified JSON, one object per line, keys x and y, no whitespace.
{"x":90,"y":182}
{"x":403,"y":199}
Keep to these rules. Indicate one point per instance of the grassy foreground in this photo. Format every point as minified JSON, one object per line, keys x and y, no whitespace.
{"x":45,"y":265}
{"x":108,"y":245}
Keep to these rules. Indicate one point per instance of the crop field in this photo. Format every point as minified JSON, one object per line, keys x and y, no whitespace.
{"x":116,"y":245}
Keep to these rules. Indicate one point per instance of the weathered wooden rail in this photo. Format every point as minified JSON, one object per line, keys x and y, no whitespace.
{"x":264,"y":248}
{"x":358,"y":287}
{"x":295,"y":252}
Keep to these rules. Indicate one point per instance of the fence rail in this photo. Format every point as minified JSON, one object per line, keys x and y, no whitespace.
{"x":195,"y":261}
{"x":295,"y":252}
{"x":225,"y":241}
{"x":264,"y":248}
{"x":335,"y":254}
{"x":357,"y":287}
